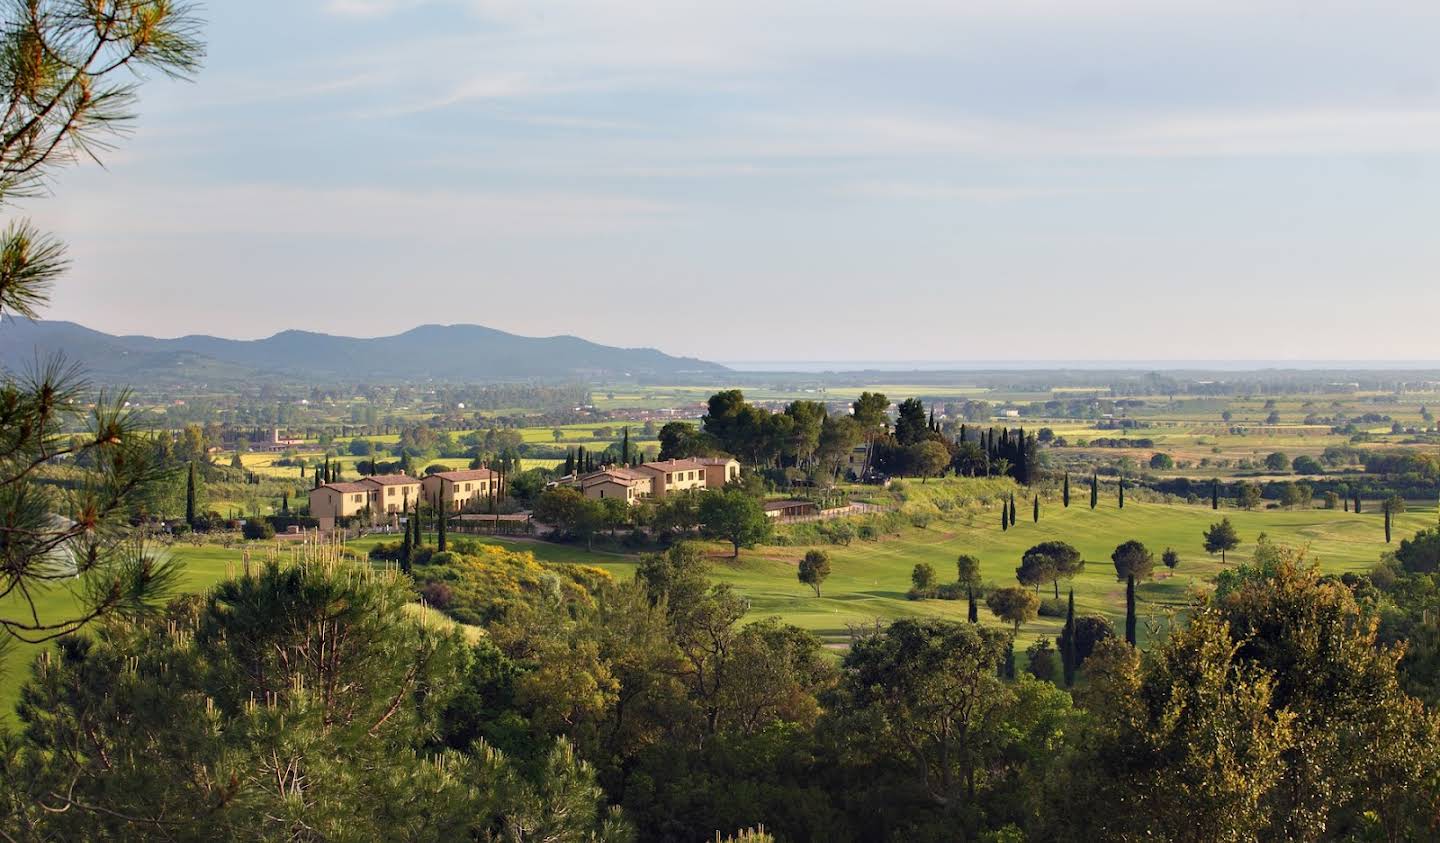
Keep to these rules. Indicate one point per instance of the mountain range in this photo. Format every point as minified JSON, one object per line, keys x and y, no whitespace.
{"x":458,"y":353}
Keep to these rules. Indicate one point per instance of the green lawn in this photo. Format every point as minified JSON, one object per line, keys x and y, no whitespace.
{"x":869,"y":579}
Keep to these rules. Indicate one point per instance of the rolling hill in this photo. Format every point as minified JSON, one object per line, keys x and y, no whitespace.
{"x":471,"y":353}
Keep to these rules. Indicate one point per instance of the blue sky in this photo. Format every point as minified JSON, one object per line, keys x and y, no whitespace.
{"x":1031,"y":179}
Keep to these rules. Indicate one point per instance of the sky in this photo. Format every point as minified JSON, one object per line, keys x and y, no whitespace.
{"x":806,"y":179}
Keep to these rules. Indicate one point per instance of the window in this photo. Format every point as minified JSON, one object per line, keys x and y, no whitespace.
{"x":669,"y":478}
{"x":390,"y":491}
{"x":467,"y":487}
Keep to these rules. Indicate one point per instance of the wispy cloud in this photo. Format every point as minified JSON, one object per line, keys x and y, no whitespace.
{"x":111,"y":210}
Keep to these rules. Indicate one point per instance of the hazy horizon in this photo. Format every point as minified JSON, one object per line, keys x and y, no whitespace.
{"x":840,"y":181}
{"x":820,"y":365}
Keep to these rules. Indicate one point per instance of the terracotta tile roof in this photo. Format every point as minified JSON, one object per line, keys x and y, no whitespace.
{"x":672,"y":465}
{"x":623,"y":475}
{"x":465,"y":474}
{"x":392,"y":479}
{"x":715,"y":460}
{"x":347,"y":488}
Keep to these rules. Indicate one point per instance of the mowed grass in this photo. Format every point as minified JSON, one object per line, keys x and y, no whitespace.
{"x":869,"y":580}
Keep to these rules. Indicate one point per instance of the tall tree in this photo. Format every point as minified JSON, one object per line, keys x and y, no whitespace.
{"x":1065,"y":491}
{"x":1094,"y":490}
{"x":1049,"y":561}
{"x":733,"y":515}
{"x":1122,"y":492}
{"x":1221,"y":537}
{"x":922,"y":696}
{"x":1133,"y":561}
{"x":1214,"y":494}
{"x":967,"y":570}
{"x":910,"y":426}
{"x":1013,"y":605}
{"x":441,"y":517}
{"x":190,"y":497}
{"x":1012,"y":509}
{"x":1067,"y":642}
{"x":814,"y":569}
{"x":1037,"y":509}
{"x":868,"y":411}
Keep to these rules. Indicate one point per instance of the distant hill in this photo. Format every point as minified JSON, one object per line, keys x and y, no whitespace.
{"x":469,"y":353}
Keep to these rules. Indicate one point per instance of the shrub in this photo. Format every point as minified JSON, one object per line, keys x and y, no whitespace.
{"x":839,"y":532}
{"x":866,"y":533}
{"x":950,"y":591}
{"x":1053,"y":607}
{"x":386,"y":552}
{"x":1042,"y":659}
{"x":437,"y":594}
{"x":1090,"y":630}
{"x":257,"y":529}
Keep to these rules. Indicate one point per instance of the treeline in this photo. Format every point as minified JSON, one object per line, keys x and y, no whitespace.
{"x":806,"y":436}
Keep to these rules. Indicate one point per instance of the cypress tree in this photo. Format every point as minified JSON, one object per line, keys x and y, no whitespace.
{"x":1037,"y":509}
{"x":1094,"y":490}
{"x":1004,"y":518}
{"x":1357,"y":503}
{"x":285,"y":502}
{"x":1130,"y":610}
{"x":1067,"y":648}
{"x":974,"y":613}
{"x":190,"y":496}
{"x":1010,"y":660}
{"x":625,"y":447}
{"x":1022,"y":468}
{"x":440,"y":520}
{"x":405,"y":548}
{"x":1065,"y":491}
{"x":1122,"y":492}
{"x":1012,"y":509}
{"x":1346,"y":499}
{"x":1387,"y":523}
{"x":1214,"y":494}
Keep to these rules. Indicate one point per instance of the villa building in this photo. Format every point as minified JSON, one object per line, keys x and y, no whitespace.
{"x":657,"y":479}
{"x":457,"y":491}
{"x":380,"y":495}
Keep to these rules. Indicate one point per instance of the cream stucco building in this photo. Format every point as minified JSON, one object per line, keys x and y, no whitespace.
{"x":457,"y":491}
